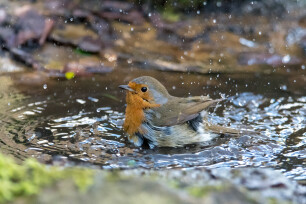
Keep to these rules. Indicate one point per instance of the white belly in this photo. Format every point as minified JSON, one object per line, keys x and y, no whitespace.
{"x":176,"y":136}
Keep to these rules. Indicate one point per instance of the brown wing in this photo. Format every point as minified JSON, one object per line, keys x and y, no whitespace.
{"x":179,"y":110}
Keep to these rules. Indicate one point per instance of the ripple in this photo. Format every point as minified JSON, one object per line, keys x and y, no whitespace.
{"x":88,"y":129}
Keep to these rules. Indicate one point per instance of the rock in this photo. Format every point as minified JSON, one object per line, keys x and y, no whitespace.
{"x":47,"y":29}
{"x":3,"y":15}
{"x":297,"y":37}
{"x":81,"y":15}
{"x":116,"y":6}
{"x":8,"y":65}
{"x":264,"y":8}
{"x":32,"y":26}
{"x":270,"y":183}
{"x":158,"y":22}
{"x":134,"y":16}
{"x":7,"y":37}
{"x":85,"y":66}
{"x":77,"y":35}
{"x":26,"y":58}
{"x":88,"y":44}
{"x":114,"y":190}
{"x":103,"y":29}
{"x":59,"y":7}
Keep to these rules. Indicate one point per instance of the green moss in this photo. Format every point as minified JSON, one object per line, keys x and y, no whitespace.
{"x":174,"y":184}
{"x":201,"y":191}
{"x":82,"y":52}
{"x":83,"y":178}
{"x":27,"y":179}
{"x":276,"y":201}
{"x":171,"y":15}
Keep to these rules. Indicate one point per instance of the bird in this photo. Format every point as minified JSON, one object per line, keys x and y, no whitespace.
{"x":158,"y":119}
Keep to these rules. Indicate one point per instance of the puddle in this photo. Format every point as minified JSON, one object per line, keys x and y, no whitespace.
{"x":79,"y":122}
{"x":259,"y":67}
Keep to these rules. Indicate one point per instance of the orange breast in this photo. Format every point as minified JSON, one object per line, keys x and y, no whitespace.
{"x":134,"y":114}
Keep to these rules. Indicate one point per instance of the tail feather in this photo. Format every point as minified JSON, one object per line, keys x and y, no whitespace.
{"x":222,"y":130}
{"x":227,"y":130}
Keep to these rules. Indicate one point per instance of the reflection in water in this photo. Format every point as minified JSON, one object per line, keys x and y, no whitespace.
{"x":81,"y":124}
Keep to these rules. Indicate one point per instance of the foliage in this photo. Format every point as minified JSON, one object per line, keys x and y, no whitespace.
{"x":27,"y":179}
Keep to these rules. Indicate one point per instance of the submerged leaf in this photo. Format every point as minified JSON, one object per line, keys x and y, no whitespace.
{"x":111,"y":97}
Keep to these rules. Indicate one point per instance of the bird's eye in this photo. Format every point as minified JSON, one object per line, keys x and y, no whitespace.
{"x":144,"y":89}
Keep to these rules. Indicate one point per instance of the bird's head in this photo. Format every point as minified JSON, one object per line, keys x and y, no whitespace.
{"x":148,"y":88}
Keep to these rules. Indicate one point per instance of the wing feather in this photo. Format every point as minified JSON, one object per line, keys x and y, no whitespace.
{"x":180,"y":110}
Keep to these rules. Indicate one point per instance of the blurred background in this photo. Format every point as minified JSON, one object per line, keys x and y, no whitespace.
{"x":61,"y":62}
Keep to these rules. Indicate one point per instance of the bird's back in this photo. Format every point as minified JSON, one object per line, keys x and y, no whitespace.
{"x":179,"y":131}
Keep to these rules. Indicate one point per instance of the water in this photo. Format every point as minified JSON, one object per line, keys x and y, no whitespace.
{"x":79,"y":122}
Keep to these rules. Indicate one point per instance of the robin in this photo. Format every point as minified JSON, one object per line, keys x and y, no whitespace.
{"x":155,"y":117}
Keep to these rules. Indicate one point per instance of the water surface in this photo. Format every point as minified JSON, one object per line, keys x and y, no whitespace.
{"x":79,"y":121}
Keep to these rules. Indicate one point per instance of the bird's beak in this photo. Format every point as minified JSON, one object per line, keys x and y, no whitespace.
{"x":126,"y":87}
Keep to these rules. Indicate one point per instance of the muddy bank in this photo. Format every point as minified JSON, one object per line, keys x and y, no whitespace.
{"x":80,"y":38}
{"x":32,"y":182}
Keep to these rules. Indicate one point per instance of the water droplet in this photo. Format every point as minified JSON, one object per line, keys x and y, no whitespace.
{"x":283,"y":87}
{"x":286,"y":59}
{"x":247,"y":43}
{"x":80,"y":101}
{"x":45,"y":86}
{"x":93,"y":99}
